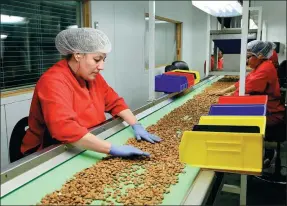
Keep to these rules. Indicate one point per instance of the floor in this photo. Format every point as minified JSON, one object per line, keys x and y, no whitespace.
{"x":258,"y":191}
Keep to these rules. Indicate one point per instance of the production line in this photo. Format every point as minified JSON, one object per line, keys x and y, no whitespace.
{"x":48,"y":171}
{"x":174,"y":150}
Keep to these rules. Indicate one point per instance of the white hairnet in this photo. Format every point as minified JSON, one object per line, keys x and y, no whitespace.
{"x":257,"y":48}
{"x":82,"y":40}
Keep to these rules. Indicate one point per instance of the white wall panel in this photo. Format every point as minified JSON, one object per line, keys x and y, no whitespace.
{"x":4,"y":140}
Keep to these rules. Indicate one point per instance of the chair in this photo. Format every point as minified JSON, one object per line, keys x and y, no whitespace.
{"x":17,"y":136}
{"x":16,"y":140}
{"x":169,"y":68}
{"x":180,"y":65}
{"x":282,"y":74}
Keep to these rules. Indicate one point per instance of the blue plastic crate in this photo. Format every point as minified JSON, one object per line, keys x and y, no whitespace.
{"x":170,"y":84}
{"x":238,"y":110}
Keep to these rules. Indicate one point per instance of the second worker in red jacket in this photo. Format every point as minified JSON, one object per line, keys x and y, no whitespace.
{"x":262,"y":80}
{"x":72,"y":96}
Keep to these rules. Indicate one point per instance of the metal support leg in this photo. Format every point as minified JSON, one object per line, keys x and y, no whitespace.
{"x":151,"y":50}
{"x":243,"y":189}
{"x":215,"y":55}
{"x":208,"y":44}
{"x":243,"y":52}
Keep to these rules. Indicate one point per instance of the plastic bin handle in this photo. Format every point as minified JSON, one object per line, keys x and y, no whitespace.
{"x":227,"y":150}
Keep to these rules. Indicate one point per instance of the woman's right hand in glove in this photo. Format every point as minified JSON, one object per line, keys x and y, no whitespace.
{"x":126,"y":151}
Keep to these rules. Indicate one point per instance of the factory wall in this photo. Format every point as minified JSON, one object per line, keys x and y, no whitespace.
{"x":274,"y":13}
{"x":231,"y":62}
{"x":124,"y":23}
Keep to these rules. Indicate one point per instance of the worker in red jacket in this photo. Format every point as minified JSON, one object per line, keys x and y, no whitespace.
{"x":72,"y":96}
{"x":220,"y":62}
{"x":261,"y":80}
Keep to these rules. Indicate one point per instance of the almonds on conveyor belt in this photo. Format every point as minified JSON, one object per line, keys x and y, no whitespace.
{"x":229,"y":78}
{"x":139,"y":181}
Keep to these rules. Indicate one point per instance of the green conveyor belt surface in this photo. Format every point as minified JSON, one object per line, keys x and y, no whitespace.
{"x":32,"y":192}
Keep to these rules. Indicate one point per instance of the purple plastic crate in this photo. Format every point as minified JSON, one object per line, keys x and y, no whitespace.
{"x":170,"y":84}
{"x":238,"y":110}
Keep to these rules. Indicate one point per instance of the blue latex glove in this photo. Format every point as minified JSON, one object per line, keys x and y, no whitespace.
{"x":141,"y":133}
{"x":126,"y":151}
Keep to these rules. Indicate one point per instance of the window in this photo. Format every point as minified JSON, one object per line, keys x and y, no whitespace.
{"x":167,"y":41}
{"x":28,"y":31}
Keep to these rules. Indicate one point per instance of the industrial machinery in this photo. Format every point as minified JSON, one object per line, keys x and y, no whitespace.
{"x":28,"y":180}
{"x":228,"y":40}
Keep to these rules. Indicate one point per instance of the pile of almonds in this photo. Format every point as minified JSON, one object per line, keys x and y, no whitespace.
{"x":229,"y":78}
{"x":141,"y":180}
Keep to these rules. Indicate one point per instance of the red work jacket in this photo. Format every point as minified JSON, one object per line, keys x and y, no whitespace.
{"x":220,"y":63}
{"x":65,"y":106}
{"x":263,"y":80}
{"x":274,"y":58}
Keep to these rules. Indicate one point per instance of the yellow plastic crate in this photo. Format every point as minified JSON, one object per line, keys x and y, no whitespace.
{"x":259,"y":121}
{"x":196,"y":80}
{"x":238,"y":152}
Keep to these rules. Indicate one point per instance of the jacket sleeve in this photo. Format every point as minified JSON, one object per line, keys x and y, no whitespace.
{"x":114,"y":104}
{"x":257,"y":83}
{"x":236,"y":85}
{"x":56,"y":100}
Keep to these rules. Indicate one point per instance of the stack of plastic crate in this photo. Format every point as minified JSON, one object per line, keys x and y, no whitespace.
{"x":230,"y":137}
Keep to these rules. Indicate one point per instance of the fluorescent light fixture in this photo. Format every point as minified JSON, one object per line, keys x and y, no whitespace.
{"x":3,"y":36}
{"x":5,"y":19}
{"x":72,"y":26}
{"x":219,"y":8}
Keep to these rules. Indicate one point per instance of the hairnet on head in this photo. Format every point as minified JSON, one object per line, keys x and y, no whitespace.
{"x":82,"y":40}
{"x":257,"y":48}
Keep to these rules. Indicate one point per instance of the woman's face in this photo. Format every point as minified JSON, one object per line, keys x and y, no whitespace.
{"x":90,"y":65}
{"x":253,"y":61}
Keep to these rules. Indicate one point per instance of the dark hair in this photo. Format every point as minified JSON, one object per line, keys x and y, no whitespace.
{"x":69,"y":56}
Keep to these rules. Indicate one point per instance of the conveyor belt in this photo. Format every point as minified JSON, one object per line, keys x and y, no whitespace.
{"x":193,"y":184}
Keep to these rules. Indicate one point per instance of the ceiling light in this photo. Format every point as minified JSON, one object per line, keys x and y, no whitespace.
{"x":219,"y":8}
{"x":3,"y":36}
{"x":5,"y":19}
